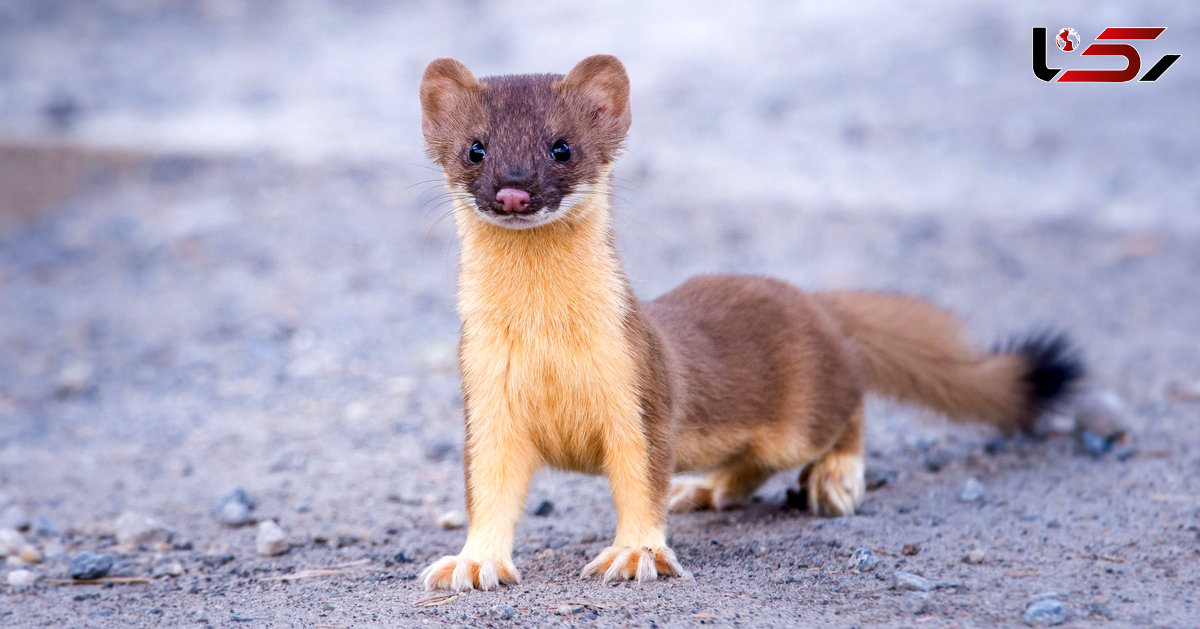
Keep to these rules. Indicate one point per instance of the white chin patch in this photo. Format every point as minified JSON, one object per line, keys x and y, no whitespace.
{"x":520,"y":221}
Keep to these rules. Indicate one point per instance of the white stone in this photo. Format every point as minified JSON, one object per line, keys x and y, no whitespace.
{"x":22,"y":577}
{"x":11,"y":542}
{"x":451,"y":520}
{"x":271,"y":540}
{"x":1102,"y":412}
{"x":14,"y":517}
{"x":972,"y":490}
{"x":235,"y":513}
{"x":135,"y":529}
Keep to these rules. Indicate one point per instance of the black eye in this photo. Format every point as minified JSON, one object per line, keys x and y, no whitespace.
{"x":475,"y":154}
{"x":560,"y":151}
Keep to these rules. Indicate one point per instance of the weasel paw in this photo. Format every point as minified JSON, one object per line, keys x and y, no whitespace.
{"x":459,"y":573}
{"x":622,"y":563}
{"x":689,"y":494}
{"x":697,"y":494}
{"x":835,"y":485}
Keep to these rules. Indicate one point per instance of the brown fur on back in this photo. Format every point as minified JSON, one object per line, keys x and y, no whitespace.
{"x":759,"y":371}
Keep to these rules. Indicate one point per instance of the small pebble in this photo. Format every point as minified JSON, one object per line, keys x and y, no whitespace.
{"x":936,"y":460}
{"x":439,"y":450}
{"x":201,"y":617}
{"x":14,"y":517}
{"x":910,"y":549}
{"x":1100,"y":610}
{"x":1094,"y":444}
{"x":911,"y":582}
{"x":42,"y":525}
{"x":996,"y":446}
{"x":235,"y":514}
{"x":568,"y":609}
{"x":1104,"y":413}
{"x":863,"y":560}
{"x":917,"y":603}
{"x":972,"y":491}
{"x":53,"y":549}
{"x":544,"y":509}
{"x":1047,"y":611}
{"x":11,"y":542}
{"x":233,"y":508}
{"x":29,"y":554}
{"x":876,"y":478}
{"x":270,"y":540}
{"x":452,"y":520}
{"x":974,"y":557}
{"x":170,"y":569}
{"x":501,"y":612}
{"x":216,"y":559}
{"x":135,"y":529}
{"x":89,"y":565}
{"x":1053,"y":423}
{"x":21,"y":577}
{"x":74,"y":379}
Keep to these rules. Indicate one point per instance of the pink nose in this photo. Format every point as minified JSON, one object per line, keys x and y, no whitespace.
{"x":514,"y":200}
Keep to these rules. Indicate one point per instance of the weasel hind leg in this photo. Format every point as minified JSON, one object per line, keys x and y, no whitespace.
{"x":725,"y":487}
{"x":834,"y":483}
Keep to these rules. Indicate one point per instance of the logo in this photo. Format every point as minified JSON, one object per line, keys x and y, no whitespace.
{"x":1068,"y":42}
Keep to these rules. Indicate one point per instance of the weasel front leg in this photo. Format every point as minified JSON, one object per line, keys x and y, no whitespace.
{"x":499,"y":463}
{"x":639,"y":476}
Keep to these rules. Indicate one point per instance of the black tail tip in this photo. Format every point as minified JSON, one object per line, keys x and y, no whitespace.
{"x":1055,"y":370}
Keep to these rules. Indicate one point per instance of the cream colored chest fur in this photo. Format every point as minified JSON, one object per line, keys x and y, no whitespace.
{"x":544,"y":353}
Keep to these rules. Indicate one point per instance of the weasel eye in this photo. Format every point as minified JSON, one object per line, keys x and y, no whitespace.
{"x":475,"y":154}
{"x":561,"y":151}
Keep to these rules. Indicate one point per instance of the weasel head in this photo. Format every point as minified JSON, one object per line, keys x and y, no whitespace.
{"x":523,"y":151}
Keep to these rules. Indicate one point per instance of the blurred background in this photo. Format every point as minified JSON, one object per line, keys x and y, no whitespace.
{"x":224,"y":260}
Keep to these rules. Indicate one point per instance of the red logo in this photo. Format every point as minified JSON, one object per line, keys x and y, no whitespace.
{"x":1068,"y":41}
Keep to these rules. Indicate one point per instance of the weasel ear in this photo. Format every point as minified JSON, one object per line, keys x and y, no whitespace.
{"x":446,"y":87}
{"x":602,"y":82}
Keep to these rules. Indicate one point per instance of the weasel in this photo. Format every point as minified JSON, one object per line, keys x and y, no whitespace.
{"x":739,"y":377}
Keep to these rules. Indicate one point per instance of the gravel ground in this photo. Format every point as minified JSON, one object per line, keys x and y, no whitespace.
{"x":224,"y":264}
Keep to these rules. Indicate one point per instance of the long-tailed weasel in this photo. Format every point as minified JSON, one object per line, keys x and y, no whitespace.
{"x":737,"y":376}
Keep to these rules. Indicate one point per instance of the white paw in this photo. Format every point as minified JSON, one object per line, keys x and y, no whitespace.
{"x":622,"y":563}
{"x":697,"y":494}
{"x":459,"y":573}
{"x":835,"y":485}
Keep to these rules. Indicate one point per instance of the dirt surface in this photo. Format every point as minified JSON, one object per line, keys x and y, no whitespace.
{"x":224,"y":264}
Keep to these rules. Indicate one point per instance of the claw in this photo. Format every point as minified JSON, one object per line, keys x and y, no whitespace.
{"x":639,"y":564}
{"x":459,"y":573}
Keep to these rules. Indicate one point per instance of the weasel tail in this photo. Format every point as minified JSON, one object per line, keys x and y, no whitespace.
{"x":915,"y":352}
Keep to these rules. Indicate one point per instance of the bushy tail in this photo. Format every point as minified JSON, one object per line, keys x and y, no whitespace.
{"x":915,"y":352}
